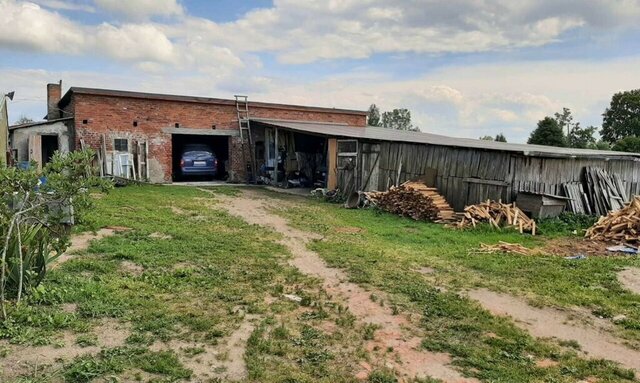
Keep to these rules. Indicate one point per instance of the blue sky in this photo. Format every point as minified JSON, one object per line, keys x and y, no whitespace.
{"x":464,"y":68}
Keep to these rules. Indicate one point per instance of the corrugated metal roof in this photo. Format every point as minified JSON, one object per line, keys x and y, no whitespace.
{"x":383,"y":134}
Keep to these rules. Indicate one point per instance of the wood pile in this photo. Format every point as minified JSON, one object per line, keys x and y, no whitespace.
{"x":622,"y":225}
{"x":497,"y":214}
{"x":502,"y":247}
{"x":415,"y":200}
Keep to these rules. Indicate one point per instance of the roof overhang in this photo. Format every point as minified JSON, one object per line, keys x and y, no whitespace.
{"x":391,"y":135}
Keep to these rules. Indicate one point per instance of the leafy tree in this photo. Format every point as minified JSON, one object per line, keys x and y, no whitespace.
{"x":548,"y":132}
{"x":31,"y":218}
{"x":582,"y":138}
{"x":601,"y":145}
{"x":577,"y":137}
{"x":399,"y":119}
{"x":500,"y":138}
{"x":622,"y":118}
{"x":23,"y":120}
{"x":486,"y":138}
{"x":373,"y":118}
{"x":628,"y":144}
{"x":565,"y":120}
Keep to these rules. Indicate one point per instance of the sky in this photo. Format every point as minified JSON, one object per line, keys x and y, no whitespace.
{"x":464,"y":68}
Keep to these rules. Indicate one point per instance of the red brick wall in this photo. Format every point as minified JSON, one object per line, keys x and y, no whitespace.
{"x":114,"y":117}
{"x":54,"y":93}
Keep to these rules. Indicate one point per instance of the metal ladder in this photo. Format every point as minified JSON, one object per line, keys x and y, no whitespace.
{"x":242,"y":108}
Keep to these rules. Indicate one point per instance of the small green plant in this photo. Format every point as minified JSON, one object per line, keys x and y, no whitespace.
{"x":566,"y":224}
{"x":382,"y":376}
{"x":369,"y":331}
{"x":87,"y":340}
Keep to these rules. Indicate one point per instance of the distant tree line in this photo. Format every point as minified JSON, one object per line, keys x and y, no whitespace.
{"x":498,"y":138}
{"x":399,"y":119}
{"x":620,"y":129}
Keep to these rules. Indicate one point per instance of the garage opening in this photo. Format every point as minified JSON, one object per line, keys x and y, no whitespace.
{"x":191,"y":150}
{"x":291,"y":159}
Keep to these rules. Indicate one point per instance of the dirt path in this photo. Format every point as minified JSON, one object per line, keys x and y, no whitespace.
{"x":594,"y":340}
{"x":630,"y":279}
{"x":225,"y":362}
{"x":396,"y":331}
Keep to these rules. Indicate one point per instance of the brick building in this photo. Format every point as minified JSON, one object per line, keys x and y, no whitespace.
{"x":155,"y":126}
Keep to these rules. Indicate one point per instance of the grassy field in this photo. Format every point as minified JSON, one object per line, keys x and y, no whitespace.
{"x":186,"y":273}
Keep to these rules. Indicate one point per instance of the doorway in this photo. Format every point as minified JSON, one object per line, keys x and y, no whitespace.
{"x":49,"y":147}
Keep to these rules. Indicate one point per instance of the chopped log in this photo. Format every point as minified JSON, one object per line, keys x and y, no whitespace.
{"x":502,"y":247}
{"x":619,"y":225}
{"x":497,"y":214}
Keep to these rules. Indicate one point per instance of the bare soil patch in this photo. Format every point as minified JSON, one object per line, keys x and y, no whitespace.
{"x":349,"y":230}
{"x":131,"y":268}
{"x":23,"y":359}
{"x":158,"y":235}
{"x":177,"y":210}
{"x":81,"y":242}
{"x":396,"y":331}
{"x":569,"y":246}
{"x":426,"y":270}
{"x":630,"y":279}
{"x":594,"y":339}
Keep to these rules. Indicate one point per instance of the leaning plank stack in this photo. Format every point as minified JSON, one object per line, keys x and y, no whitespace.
{"x":606,"y":191}
{"x":497,"y":214}
{"x":619,"y":226}
{"x":415,"y":200}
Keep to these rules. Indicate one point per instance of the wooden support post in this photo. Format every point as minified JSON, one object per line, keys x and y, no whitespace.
{"x":277,"y":157}
{"x":332,"y":164}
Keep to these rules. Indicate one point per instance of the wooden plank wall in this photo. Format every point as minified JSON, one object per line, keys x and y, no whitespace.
{"x":466,"y":176}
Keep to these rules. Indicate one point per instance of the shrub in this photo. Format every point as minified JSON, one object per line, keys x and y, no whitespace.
{"x":37,"y":208}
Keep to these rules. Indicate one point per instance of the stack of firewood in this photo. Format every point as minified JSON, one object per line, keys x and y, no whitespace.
{"x":497,"y":214}
{"x":415,"y":200}
{"x":622,"y":225}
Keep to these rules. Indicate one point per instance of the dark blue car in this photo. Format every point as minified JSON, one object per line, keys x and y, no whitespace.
{"x":198,"y":160}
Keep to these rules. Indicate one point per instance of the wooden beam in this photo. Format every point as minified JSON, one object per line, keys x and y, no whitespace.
{"x":485,"y":182}
{"x":332,"y":164}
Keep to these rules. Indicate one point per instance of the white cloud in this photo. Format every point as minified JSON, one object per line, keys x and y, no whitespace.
{"x":193,"y":55}
{"x":26,"y":26}
{"x":141,"y":9}
{"x":466,"y":101}
{"x":66,"y":5}
{"x":132,"y":42}
{"x":304,"y":32}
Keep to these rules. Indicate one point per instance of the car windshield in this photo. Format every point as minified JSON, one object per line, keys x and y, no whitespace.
{"x":197,"y":153}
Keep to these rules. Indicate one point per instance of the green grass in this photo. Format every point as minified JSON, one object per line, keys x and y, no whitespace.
{"x":197,"y":287}
{"x":388,"y":251}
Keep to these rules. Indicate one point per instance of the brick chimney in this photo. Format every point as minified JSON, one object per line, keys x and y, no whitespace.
{"x":54,"y":94}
